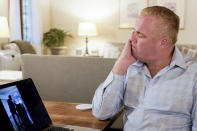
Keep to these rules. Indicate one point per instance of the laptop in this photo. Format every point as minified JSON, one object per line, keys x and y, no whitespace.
{"x":21,"y":108}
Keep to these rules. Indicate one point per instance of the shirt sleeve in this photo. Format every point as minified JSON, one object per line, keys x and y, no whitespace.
{"x":108,"y":97}
{"x":194,"y":110}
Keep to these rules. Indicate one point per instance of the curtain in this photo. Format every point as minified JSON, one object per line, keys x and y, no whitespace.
{"x":15,"y":20}
{"x":31,"y":22}
{"x":36,"y":25}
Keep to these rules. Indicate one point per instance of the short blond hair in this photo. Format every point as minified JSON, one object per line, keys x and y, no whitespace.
{"x":169,"y":21}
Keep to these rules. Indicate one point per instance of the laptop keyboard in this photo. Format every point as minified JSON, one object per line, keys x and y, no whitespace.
{"x":55,"y":128}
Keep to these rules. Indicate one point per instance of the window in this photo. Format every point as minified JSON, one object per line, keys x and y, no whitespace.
{"x":26,"y":19}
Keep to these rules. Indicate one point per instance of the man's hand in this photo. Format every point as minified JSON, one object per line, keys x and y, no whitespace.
{"x":125,"y":60}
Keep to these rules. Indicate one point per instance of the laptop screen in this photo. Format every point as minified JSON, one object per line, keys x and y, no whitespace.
{"x":21,"y":107}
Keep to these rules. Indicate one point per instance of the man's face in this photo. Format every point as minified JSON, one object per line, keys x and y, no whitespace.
{"x":145,"y":39}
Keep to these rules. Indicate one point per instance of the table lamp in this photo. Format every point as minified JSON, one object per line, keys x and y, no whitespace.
{"x":4,"y":30}
{"x":87,"y":29}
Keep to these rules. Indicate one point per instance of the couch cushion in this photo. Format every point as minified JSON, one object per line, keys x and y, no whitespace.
{"x":190,"y":50}
{"x":25,"y":46}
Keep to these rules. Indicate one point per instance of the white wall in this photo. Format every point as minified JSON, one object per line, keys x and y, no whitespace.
{"x":45,"y":9}
{"x":67,"y":14}
{"x":4,"y":8}
{"x":189,"y":34}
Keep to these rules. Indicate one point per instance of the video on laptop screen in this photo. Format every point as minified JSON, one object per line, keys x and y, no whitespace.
{"x":22,"y":107}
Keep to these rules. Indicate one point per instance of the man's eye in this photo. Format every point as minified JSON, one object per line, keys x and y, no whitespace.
{"x":140,"y":35}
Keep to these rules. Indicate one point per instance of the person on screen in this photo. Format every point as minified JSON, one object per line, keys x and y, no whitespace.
{"x":26,"y":123}
{"x":12,"y":107}
{"x":152,"y":80}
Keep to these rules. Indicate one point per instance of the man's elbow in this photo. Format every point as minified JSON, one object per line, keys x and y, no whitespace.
{"x":100,"y":115}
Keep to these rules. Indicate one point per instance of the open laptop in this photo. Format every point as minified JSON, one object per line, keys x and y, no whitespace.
{"x":21,"y":108}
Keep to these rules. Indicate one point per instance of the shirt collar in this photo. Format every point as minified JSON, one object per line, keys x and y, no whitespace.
{"x":138,"y":64}
{"x":177,"y":59}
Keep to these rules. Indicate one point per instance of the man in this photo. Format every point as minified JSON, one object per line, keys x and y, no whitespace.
{"x":13,"y":111}
{"x":152,"y":80}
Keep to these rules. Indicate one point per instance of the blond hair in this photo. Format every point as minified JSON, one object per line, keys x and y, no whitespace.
{"x":169,"y":21}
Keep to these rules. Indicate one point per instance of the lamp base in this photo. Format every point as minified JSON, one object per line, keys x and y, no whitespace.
{"x":86,"y":55}
{"x":86,"y":48}
{"x":86,"y":52}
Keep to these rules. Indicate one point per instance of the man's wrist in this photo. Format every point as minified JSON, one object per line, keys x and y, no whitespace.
{"x":120,"y":67}
{"x":118,"y":70}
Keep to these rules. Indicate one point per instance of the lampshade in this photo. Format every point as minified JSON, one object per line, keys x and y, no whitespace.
{"x":87,"y":29}
{"x":4,"y":30}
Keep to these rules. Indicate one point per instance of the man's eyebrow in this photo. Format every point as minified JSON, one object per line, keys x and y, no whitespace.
{"x":138,"y":32}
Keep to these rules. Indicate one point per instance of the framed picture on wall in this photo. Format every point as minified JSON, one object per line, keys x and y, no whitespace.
{"x":176,"y":6}
{"x":129,"y":11}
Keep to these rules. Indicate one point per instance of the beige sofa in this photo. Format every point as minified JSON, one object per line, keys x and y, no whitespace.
{"x":63,"y":78}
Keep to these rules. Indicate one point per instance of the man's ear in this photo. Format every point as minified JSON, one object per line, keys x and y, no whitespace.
{"x":164,"y":42}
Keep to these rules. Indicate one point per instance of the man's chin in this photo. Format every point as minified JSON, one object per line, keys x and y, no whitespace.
{"x":135,"y":56}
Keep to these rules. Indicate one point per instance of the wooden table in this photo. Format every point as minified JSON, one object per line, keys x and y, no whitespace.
{"x":67,"y":114}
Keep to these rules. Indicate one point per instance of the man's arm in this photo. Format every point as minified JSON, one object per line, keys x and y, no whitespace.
{"x":108,"y":97}
{"x":125,"y":60}
{"x":194,"y":110}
